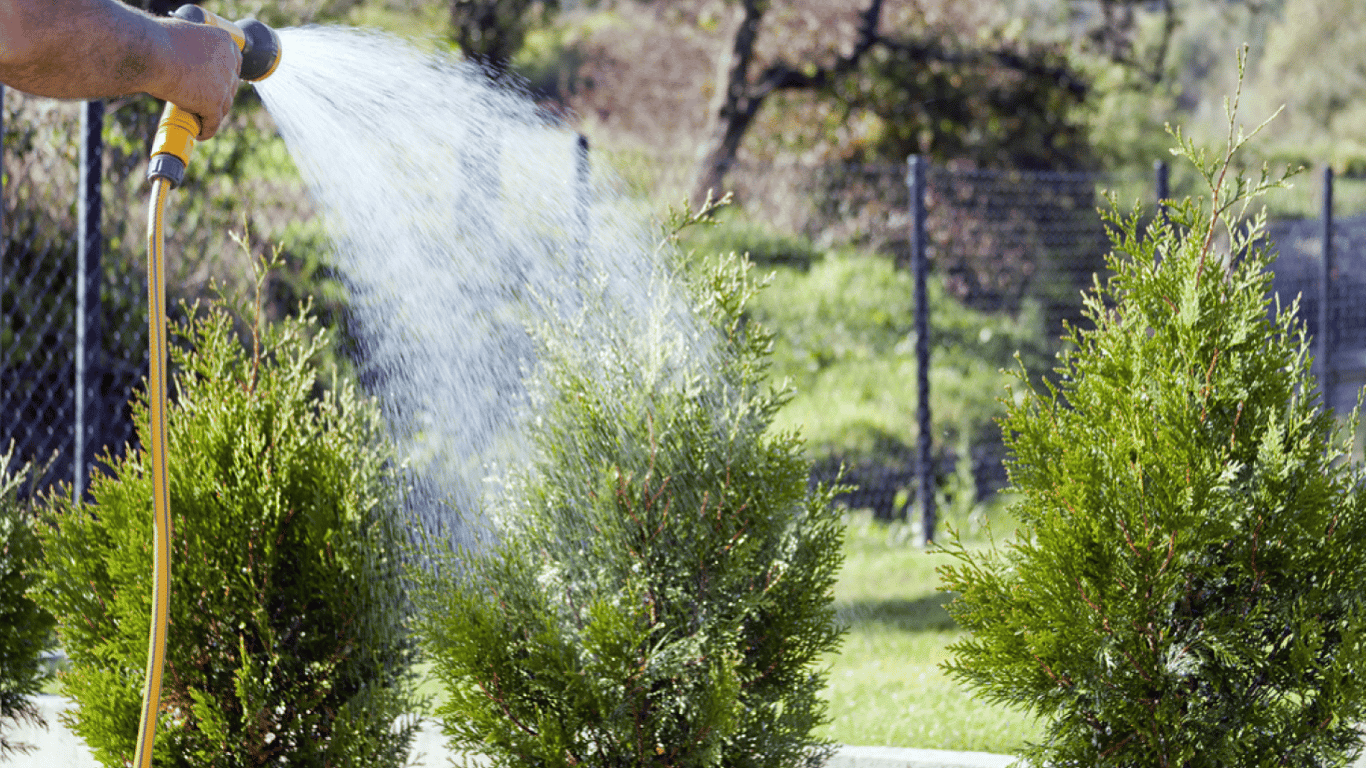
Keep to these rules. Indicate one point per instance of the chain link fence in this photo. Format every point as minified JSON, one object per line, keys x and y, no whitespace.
{"x":1005,"y":242}
{"x":1010,"y":241}
{"x":71,"y":365}
{"x":999,"y":241}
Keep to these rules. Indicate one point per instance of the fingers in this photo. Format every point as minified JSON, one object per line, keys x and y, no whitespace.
{"x":204,"y":68}
{"x":221,"y":69}
{"x":210,"y":123}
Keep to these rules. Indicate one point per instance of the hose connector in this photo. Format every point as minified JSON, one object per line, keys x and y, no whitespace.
{"x":176,"y":132}
{"x":172,"y":145}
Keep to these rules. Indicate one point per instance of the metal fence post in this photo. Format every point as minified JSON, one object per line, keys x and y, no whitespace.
{"x":581,"y":191}
{"x":87,"y":427}
{"x":4,"y":254}
{"x":1324,"y":342}
{"x":924,"y":459}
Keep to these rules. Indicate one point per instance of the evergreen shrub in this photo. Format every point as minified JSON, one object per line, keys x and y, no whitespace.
{"x":25,"y":628}
{"x":656,"y":589}
{"x":286,"y":641}
{"x":1186,"y":584}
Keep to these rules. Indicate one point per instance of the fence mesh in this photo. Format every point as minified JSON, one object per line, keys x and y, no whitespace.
{"x":38,"y":265}
{"x":1014,"y":241}
{"x":37,"y":284}
{"x":1003,"y":242}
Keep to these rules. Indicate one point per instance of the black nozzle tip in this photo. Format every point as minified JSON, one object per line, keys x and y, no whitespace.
{"x":261,"y":53}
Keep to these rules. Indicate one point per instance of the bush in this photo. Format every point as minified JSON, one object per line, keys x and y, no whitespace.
{"x":25,"y":628}
{"x":847,"y":344}
{"x":286,"y":643}
{"x":1186,"y":585}
{"x":658,"y":587}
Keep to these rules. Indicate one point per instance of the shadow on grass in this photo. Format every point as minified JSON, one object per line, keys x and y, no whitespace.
{"x":923,"y":614}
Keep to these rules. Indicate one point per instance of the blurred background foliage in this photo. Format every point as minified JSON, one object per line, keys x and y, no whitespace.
{"x":1034,"y":84}
{"x":675,"y":95}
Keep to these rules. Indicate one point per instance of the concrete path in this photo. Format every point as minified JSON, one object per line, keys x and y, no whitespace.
{"x":59,"y":748}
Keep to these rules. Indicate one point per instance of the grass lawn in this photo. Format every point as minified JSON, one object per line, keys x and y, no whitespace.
{"x":885,"y":685}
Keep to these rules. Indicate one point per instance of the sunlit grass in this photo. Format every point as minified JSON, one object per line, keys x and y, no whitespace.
{"x":885,"y":686}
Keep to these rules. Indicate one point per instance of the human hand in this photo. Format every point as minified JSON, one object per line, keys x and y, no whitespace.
{"x":200,"y":72}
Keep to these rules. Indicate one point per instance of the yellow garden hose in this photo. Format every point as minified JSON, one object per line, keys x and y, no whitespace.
{"x":161,"y":503}
{"x":170,"y":154}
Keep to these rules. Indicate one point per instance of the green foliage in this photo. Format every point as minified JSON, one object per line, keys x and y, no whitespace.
{"x":1185,"y":588}
{"x":25,"y":628}
{"x":1323,"y":103}
{"x":846,"y":336}
{"x":492,"y":31}
{"x":1013,"y":108}
{"x":286,"y":642}
{"x":657,"y":590}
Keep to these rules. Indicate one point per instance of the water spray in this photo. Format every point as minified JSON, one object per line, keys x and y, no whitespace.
{"x":175,"y":138}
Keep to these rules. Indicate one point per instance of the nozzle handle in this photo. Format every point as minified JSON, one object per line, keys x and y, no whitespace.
{"x":200,"y":16}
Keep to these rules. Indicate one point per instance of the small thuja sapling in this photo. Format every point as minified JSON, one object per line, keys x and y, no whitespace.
{"x":287,"y":644}
{"x":657,"y":590}
{"x":25,"y":627}
{"x":1186,"y":585}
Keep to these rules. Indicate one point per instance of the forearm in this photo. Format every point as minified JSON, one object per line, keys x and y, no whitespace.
{"x":82,"y":49}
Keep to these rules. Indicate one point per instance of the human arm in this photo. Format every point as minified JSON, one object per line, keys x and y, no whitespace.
{"x":91,"y":49}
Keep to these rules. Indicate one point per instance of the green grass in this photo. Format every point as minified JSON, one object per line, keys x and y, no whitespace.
{"x":885,"y":686}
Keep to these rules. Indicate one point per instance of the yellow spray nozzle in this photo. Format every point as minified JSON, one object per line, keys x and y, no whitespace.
{"x":176,"y":133}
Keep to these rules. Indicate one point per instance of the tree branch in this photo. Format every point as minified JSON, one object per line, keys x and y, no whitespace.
{"x":739,"y":101}
{"x":932,"y":51}
{"x":783,"y":76}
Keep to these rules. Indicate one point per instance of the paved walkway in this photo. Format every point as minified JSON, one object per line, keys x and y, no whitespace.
{"x":59,"y":748}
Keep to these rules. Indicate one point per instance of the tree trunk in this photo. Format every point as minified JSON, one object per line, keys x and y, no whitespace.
{"x":733,"y":109}
{"x":738,"y":103}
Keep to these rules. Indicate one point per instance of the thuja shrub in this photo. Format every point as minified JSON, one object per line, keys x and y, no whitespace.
{"x":1186,"y":585}
{"x":656,"y":590}
{"x":286,"y":642}
{"x":25,"y":628}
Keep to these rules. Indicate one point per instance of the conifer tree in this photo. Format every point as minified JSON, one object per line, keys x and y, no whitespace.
{"x":25,"y":628}
{"x":657,"y":590}
{"x":286,"y":643}
{"x":1186,"y":585}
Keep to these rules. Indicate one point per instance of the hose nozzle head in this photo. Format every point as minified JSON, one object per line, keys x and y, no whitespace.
{"x":261,"y":54}
{"x":260,"y":45}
